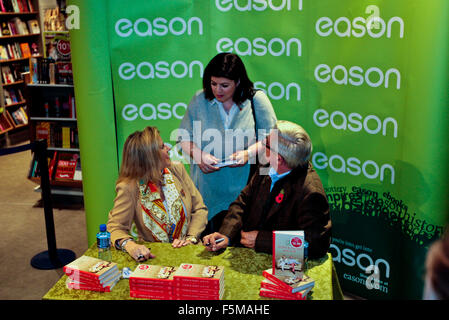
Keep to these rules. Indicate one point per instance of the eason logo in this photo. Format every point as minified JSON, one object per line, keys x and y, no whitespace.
{"x":161,"y":70}
{"x":278,"y":91}
{"x":353,"y":166}
{"x":374,"y":27}
{"x":148,"y":111}
{"x":356,"y":76}
{"x":160,"y":26}
{"x":296,"y":242}
{"x":258,"y":5}
{"x":260,"y":46}
{"x":355,"y":122}
{"x":187,"y":266}
{"x":371,"y":276}
{"x":143,"y":267}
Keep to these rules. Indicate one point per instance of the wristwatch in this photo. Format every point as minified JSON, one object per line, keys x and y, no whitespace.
{"x":192,"y":239}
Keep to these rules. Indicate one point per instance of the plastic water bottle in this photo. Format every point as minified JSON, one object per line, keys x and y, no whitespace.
{"x":104,"y":244}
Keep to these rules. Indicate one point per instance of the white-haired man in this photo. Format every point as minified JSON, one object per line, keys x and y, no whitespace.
{"x":290,"y":197}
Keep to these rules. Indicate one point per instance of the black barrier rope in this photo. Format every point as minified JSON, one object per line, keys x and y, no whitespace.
{"x":53,"y":258}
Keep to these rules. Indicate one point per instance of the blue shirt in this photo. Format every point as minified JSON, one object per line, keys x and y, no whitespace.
{"x":275,"y":176}
{"x":203,"y":124}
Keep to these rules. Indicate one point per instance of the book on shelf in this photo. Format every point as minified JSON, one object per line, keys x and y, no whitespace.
{"x":26,"y":52}
{"x":16,"y":6}
{"x":65,"y":166}
{"x":19,"y":116}
{"x":12,"y":95}
{"x":51,"y":165}
{"x":33,"y":26}
{"x":78,"y":175}
{"x":7,"y":75}
{"x":66,"y":137}
{"x":43,"y":131}
{"x":89,"y":273}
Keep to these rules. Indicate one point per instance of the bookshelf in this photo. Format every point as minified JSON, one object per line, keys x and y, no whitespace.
{"x":20,"y":40}
{"x":52,"y":116}
{"x":52,"y":110}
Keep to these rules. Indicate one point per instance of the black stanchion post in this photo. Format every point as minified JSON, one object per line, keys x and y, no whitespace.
{"x":53,"y":258}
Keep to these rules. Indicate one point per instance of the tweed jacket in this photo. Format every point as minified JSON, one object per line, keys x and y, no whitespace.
{"x":127,"y":207}
{"x":303,"y":206}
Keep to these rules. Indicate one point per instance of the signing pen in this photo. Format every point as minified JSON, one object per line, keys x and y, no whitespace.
{"x":216,"y":241}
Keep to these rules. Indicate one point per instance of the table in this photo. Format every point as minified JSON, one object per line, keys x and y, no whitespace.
{"x":243,"y":273}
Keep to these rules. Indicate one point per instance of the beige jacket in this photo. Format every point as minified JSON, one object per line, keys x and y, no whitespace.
{"x":127,"y":208}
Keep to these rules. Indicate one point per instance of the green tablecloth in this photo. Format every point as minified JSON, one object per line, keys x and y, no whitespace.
{"x":243,"y":273}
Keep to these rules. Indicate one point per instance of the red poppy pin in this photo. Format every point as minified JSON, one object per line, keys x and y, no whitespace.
{"x":280,"y":196}
{"x":183,"y":193}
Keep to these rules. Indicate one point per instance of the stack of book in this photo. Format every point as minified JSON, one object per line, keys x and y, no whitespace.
{"x":276,"y":287}
{"x":152,"y":282}
{"x":198,"y":282}
{"x":88,"y":273}
{"x":286,"y":279}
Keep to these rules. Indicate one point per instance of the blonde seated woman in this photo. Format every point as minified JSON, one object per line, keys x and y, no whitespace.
{"x":157,"y":195}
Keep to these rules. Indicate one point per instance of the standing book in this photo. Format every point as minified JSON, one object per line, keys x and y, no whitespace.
{"x":288,"y":255}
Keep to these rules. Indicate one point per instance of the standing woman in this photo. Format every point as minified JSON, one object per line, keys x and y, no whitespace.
{"x":157,"y":195}
{"x":215,"y":127}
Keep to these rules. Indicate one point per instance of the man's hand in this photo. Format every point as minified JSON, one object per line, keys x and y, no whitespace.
{"x":248,"y":239}
{"x":209,"y":241}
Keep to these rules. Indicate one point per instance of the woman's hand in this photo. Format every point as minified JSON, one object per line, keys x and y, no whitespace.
{"x":138,"y":252}
{"x":241,"y":157}
{"x":178,"y":243}
{"x":207,"y":162}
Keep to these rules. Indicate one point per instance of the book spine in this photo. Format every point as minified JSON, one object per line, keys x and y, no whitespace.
{"x":277,"y":281}
{"x":274,"y":251}
{"x":270,"y":294}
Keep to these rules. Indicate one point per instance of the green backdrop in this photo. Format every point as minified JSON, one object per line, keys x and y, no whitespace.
{"x":368,"y":83}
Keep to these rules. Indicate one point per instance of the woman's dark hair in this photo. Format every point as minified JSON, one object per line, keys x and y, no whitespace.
{"x":230,"y":66}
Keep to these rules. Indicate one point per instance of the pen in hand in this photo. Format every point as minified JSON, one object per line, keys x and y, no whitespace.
{"x":217,"y":241}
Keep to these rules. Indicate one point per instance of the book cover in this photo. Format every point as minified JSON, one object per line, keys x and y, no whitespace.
{"x":66,"y":164}
{"x":288,"y":255}
{"x":66,"y":137}
{"x":152,"y":274}
{"x":202,"y":275}
{"x":302,"y":284}
{"x":90,"y":267}
{"x":33,"y":26}
{"x":26,"y":52}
